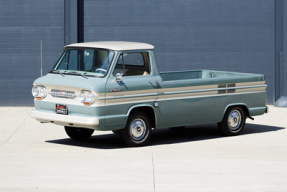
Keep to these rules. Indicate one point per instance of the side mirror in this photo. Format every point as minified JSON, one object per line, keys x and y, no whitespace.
{"x":119,"y":76}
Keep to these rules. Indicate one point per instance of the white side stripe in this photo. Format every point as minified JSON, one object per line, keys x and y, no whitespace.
{"x":180,"y":92}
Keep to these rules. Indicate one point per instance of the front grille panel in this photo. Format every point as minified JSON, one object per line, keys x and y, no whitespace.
{"x":63,"y":94}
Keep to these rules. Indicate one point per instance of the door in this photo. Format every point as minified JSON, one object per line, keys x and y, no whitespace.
{"x":137,"y":86}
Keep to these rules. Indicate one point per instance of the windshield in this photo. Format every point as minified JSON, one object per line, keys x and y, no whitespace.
{"x":89,"y":61}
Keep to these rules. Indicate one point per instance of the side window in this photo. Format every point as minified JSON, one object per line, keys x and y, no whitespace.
{"x":133,"y":64}
{"x":135,"y":59}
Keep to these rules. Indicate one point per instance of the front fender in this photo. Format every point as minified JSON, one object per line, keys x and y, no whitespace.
{"x":143,"y":106}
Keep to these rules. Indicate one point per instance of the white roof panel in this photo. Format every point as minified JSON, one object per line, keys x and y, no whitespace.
{"x":113,"y":45}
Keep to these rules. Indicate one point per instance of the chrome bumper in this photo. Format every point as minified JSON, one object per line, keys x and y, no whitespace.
{"x":67,"y":120}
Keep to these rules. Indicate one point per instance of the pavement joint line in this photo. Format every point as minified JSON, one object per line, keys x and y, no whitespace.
{"x":15,"y":130}
{"x":153,"y":168}
{"x":271,"y":119}
{"x":284,"y":133}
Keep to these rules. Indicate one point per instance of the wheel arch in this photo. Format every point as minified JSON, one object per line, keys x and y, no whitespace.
{"x":148,"y":109}
{"x":243,"y":105}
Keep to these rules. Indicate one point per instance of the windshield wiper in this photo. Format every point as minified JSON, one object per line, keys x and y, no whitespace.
{"x":79,"y":74}
{"x":57,"y":72}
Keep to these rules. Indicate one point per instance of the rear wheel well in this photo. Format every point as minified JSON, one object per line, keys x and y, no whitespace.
{"x":245,"y":109}
{"x":148,"y":111}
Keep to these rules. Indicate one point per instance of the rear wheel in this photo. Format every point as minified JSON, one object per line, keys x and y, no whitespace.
{"x":137,"y":131}
{"x":233,"y":121}
{"x":79,"y":133}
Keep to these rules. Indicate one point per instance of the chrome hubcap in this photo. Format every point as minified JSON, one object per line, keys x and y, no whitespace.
{"x":138,"y":129}
{"x":234,"y":120}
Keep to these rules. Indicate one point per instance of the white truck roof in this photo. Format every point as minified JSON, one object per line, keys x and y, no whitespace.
{"x":113,"y":45}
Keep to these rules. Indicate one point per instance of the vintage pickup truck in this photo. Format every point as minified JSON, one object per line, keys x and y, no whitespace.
{"x":117,"y":86}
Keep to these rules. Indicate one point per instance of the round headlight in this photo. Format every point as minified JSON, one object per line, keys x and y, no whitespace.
{"x":35,"y":91}
{"x":42,"y":92}
{"x":39,"y":92}
{"x":82,"y":97}
{"x":87,"y":97}
{"x":90,"y":97}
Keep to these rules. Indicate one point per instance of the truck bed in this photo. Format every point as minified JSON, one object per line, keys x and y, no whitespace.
{"x":209,"y":74}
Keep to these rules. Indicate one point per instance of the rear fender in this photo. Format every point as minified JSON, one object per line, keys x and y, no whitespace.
{"x":236,"y":104}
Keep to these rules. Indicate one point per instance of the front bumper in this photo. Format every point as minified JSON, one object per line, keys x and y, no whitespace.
{"x":76,"y":120}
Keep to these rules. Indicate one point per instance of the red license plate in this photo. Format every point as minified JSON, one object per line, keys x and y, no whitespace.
{"x":61,"y":109}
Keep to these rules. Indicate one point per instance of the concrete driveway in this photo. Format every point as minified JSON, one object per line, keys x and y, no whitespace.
{"x":41,"y":157}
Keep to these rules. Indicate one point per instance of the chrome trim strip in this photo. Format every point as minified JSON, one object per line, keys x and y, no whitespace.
{"x":129,"y":96}
{"x":131,"y":102}
{"x":218,"y":89}
{"x":186,"y":97}
{"x":180,"y":92}
{"x":75,"y":95}
{"x":62,"y":93}
{"x":217,"y":95}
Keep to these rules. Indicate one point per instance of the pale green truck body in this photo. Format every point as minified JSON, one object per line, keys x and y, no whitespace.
{"x":172,"y":98}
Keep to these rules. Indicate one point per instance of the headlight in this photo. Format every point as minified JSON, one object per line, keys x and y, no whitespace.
{"x":82,"y":97}
{"x":87,"y":97}
{"x":35,"y":91}
{"x":39,"y":92}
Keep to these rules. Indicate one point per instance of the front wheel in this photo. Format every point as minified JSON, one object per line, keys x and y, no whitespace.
{"x":137,"y":131}
{"x":233,"y":121}
{"x":79,"y":133}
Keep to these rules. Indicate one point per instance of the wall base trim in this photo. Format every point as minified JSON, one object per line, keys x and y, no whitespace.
{"x":281,"y":102}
